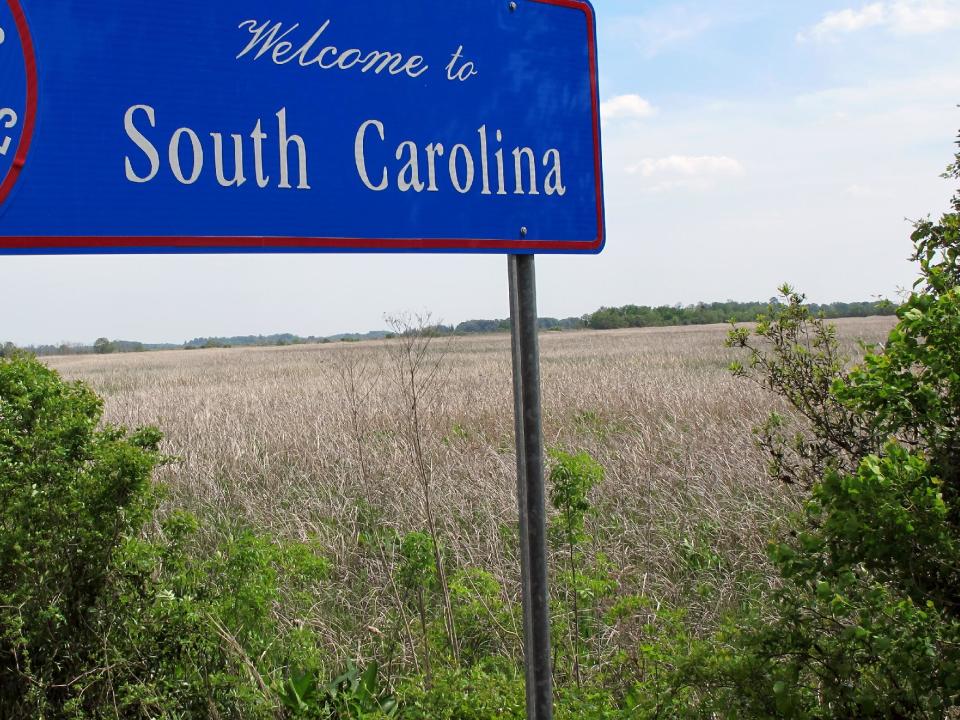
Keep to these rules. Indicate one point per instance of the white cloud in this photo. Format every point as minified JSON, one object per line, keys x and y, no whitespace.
{"x":663,"y":29}
{"x":691,"y":172}
{"x":631,"y":107}
{"x":908,"y":17}
{"x":897,"y":96}
{"x":850,"y":20}
{"x":925,"y":17}
{"x":688,"y":165}
{"x":864,"y":192}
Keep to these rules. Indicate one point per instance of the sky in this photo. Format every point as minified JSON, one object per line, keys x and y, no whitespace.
{"x":747,"y":143}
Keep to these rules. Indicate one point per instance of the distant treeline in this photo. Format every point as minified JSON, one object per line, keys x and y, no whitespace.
{"x":477,"y":327}
{"x":639,"y":316}
{"x":278,"y":340}
{"x":628,"y":316}
{"x":102,"y":346}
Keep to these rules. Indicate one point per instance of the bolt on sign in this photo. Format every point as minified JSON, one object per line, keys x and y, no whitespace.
{"x":299,"y":126}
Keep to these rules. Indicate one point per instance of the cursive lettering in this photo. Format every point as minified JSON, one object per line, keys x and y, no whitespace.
{"x":282,"y":46}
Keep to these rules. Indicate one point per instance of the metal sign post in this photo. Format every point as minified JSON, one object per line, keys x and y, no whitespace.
{"x":530,"y":486}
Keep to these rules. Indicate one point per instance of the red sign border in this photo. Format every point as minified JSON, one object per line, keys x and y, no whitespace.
{"x":30,"y":113}
{"x":172,"y":244}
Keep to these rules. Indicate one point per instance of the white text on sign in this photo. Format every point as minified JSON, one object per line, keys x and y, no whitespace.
{"x":477,"y":165}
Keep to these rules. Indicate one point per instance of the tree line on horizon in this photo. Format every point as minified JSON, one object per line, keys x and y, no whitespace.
{"x":640,"y":316}
{"x":606,"y":318}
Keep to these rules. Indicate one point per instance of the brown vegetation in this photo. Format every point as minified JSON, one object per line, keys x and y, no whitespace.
{"x":317,"y":442}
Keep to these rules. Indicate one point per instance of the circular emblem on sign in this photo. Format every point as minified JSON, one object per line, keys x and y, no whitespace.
{"x":18,"y":94}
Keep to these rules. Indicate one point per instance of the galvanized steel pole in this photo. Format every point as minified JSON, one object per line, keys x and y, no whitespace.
{"x":531,"y":495}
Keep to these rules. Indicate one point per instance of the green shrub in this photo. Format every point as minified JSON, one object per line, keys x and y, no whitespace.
{"x":866,"y":623}
{"x":581,"y":584}
{"x":354,"y":695}
{"x":71,"y":494}
{"x":475,"y":693}
{"x":98,"y":621}
{"x":481,"y":615}
{"x":199,"y":632}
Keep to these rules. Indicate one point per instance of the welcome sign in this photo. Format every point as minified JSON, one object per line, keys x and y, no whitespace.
{"x":299,"y":126}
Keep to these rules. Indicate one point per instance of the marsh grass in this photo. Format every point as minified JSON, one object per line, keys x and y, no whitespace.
{"x":311,"y":442}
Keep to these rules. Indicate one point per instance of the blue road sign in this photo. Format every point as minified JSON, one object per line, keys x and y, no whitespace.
{"x":299,"y":126}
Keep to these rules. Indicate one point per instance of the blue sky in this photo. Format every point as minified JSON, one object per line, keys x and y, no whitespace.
{"x":746,"y":143}
{"x":752,"y":143}
{"x":758,"y":50}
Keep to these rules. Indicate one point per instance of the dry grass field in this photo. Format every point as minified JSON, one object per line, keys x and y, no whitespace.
{"x":319,"y":442}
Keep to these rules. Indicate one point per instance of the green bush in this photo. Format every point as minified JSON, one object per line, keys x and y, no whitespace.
{"x":96,"y":620}
{"x":476,"y":693}
{"x":198,"y":632}
{"x":481,"y":615}
{"x":354,"y":695}
{"x":866,"y":621}
{"x":582,"y":582}
{"x":71,"y":494}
